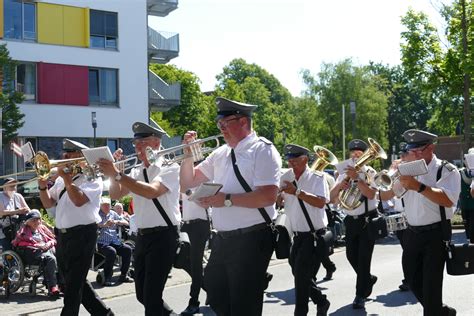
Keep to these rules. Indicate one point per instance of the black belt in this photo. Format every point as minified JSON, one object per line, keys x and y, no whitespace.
{"x":424,"y":228}
{"x":75,"y":228}
{"x":197,"y":220}
{"x":146,"y":231}
{"x":241,"y":231}
{"x":319,"y":232}
{"x":370,"y":213}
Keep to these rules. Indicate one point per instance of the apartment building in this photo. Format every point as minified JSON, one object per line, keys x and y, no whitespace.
{"x":81,"y":62}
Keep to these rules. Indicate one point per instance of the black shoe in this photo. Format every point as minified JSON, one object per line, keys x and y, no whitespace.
{"x":404,"y":287}
{"x":266,"y":280}
{"x":108,"y":282}
{"x":124,"y":279}
{"x":109,"y":312}
{"x":373,"y":280}
{"x":190,"y":310}
{"x":449,"y":310}
{"x":322,"y":309}
{"x":359,"y":302}
{"x":329,"y":273}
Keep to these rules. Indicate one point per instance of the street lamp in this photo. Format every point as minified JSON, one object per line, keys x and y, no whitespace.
{"x":94,"y":123}
{"x":353,"y":114}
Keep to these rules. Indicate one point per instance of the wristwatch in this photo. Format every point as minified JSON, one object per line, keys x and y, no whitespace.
{"x":422,"y":188}
{"x":298,"y":191}
{"x":118,"y":176}
{"x":228,"y":201}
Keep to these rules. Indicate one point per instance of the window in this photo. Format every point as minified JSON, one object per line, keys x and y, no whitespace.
{"x":19,"y":20}
{"x":26,"y":80}
{"x":103,"y":86}
{"x":112,"y":144}
{"x":103,"y":29}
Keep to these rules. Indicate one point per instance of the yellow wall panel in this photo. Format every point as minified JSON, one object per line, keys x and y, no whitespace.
{"x":75,"y":26}
{"x":1,"y":19}
{"x":87,"y":27}
{"x":50,"y":24}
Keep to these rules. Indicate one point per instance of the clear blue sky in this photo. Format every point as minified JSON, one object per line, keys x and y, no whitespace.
{"x":285,"y":36}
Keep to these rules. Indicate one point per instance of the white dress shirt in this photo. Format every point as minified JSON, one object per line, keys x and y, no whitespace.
{"x":259,"y":163}
{"x":146,"y":213}
{"x":370,"y":172}
{"x":191,"y":210}
{"x":422,"y":211}
{"x":69,"y":215}
{"x":314,"y":183}
{"x":472,"y":185}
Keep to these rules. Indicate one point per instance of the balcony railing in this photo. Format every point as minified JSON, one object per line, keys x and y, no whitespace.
{"x":161,"y":7}
{"x":162,"y":46}
{"x":162,"y":96}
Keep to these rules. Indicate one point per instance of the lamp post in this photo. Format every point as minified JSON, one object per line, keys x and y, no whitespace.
{"x":353,"y":114}
{"x":343,"y":132}
{"x":94,"y":123}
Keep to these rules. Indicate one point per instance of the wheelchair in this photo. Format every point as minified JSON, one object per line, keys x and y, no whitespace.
{"x":16,"y":273}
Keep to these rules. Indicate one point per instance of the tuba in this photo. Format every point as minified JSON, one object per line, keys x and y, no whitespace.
{"x":351,"y":198}
{"x":324,"y":157}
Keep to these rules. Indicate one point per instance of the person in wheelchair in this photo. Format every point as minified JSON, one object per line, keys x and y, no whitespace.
{"x":110,"y":245}
{"x":36,"y":244}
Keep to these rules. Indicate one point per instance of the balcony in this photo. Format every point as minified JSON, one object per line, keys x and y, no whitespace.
{"x":162,"y":96}
{"x":162,"y":46}
{"x":161,"y":7}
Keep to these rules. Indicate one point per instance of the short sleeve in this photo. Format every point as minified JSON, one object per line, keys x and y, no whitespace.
{"x":267,"y":166}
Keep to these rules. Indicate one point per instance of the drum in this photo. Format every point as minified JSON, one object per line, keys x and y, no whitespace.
{"x":396,"y":222}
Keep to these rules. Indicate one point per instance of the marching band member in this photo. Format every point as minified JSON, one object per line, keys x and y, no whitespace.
{"x":241,"y":250}
{"x":156,"y":242}
{"x":77,"y":201}
{"x":196,"y":224}
{"x":424,"y":254}
{"x":359,"y":247}
{"x":310,"y":188}
{"x":466,"y":200}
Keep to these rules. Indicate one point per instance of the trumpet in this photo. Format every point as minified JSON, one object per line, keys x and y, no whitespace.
{"x":194,"y":150}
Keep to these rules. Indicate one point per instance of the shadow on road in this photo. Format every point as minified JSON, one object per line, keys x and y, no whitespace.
{"x":396,"y":298}
{"x":348,"y":310}
{"x":287,"y":297}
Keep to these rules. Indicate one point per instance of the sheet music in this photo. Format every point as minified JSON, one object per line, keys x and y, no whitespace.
{"x":27,"y":151}
{"x":413,"y":168}
{"x":341,"y":166}
{"x":92,"y":155}
{"x":287,"y":175}
{"x":205,"y":190}
{"x":469,"y":159}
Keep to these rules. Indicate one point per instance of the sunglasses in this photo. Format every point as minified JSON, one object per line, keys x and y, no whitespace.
{"x":418,"y":149}
{"x":224,"y":123}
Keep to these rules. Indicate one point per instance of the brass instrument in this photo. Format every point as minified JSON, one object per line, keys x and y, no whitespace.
{"x":324,"y":157}
{"x":192,"y":150}
{"x":351,"y":198}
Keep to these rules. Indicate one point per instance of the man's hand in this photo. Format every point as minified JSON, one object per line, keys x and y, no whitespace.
{"x":289,"y":188}
{"x":410,"y":183}
{"x":352,"y":173}
{"x":107,"y":167}
{"x":189,"y":137}
{"x":23,"y":210}
{"x":65,"y":173}
{"x":212,"y":201}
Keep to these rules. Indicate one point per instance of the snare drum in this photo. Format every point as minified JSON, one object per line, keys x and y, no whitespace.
{"x":396,"y":222}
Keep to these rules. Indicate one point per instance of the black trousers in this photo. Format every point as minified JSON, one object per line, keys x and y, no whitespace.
{"x":75,"y":250}
{"x":198,"y":233}
{"x":359,"y":249}
{"x":468,"y":221}
{"x":305,"y":260}
{"x":423,"y":261}
{"x":234,"y":275}
{"x":154,"y":256}
{"x":400,"y":234}
{"x":110,"y":252}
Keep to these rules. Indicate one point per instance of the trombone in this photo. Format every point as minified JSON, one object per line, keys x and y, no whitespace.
{"x":192,"y":150}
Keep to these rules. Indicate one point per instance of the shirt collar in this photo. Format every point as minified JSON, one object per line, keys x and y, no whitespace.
{"x":246,"y":142}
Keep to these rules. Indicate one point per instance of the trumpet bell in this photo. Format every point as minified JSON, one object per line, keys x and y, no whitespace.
{"x":42,"y":165}
{"x":324,"y":157}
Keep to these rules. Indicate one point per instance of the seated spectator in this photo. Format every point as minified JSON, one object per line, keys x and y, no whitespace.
{"x":118,"y":208}
{"x":37,"y":243}
{"x":110,"y":245}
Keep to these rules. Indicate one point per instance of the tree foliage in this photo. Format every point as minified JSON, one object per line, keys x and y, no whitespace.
{"x":12,"y":118}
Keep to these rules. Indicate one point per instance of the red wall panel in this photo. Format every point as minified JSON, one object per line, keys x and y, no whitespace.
{"x":63,"y":84}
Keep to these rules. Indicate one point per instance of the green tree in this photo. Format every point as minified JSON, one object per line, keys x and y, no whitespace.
{"x":12,"y":118}
{"x":335,"y":86}
{"x":196,"y":109}
{"x":442,"y":70}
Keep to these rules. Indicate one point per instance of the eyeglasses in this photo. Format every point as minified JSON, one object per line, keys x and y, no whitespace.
{"x":224,"y":123}
{"x":419,"y":149}
{"x":140,"y":141}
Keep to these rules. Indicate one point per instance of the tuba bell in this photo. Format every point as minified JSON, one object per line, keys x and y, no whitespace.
{"x":351,"y":198}
{"x":324,"y":157}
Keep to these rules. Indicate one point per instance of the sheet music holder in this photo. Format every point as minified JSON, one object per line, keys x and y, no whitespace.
{"x":469,"y":159}
{"x":205,"y":190}
{"x":93,"y":155}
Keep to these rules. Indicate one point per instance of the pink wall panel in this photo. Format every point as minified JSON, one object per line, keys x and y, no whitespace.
{"x":63,"y":84}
